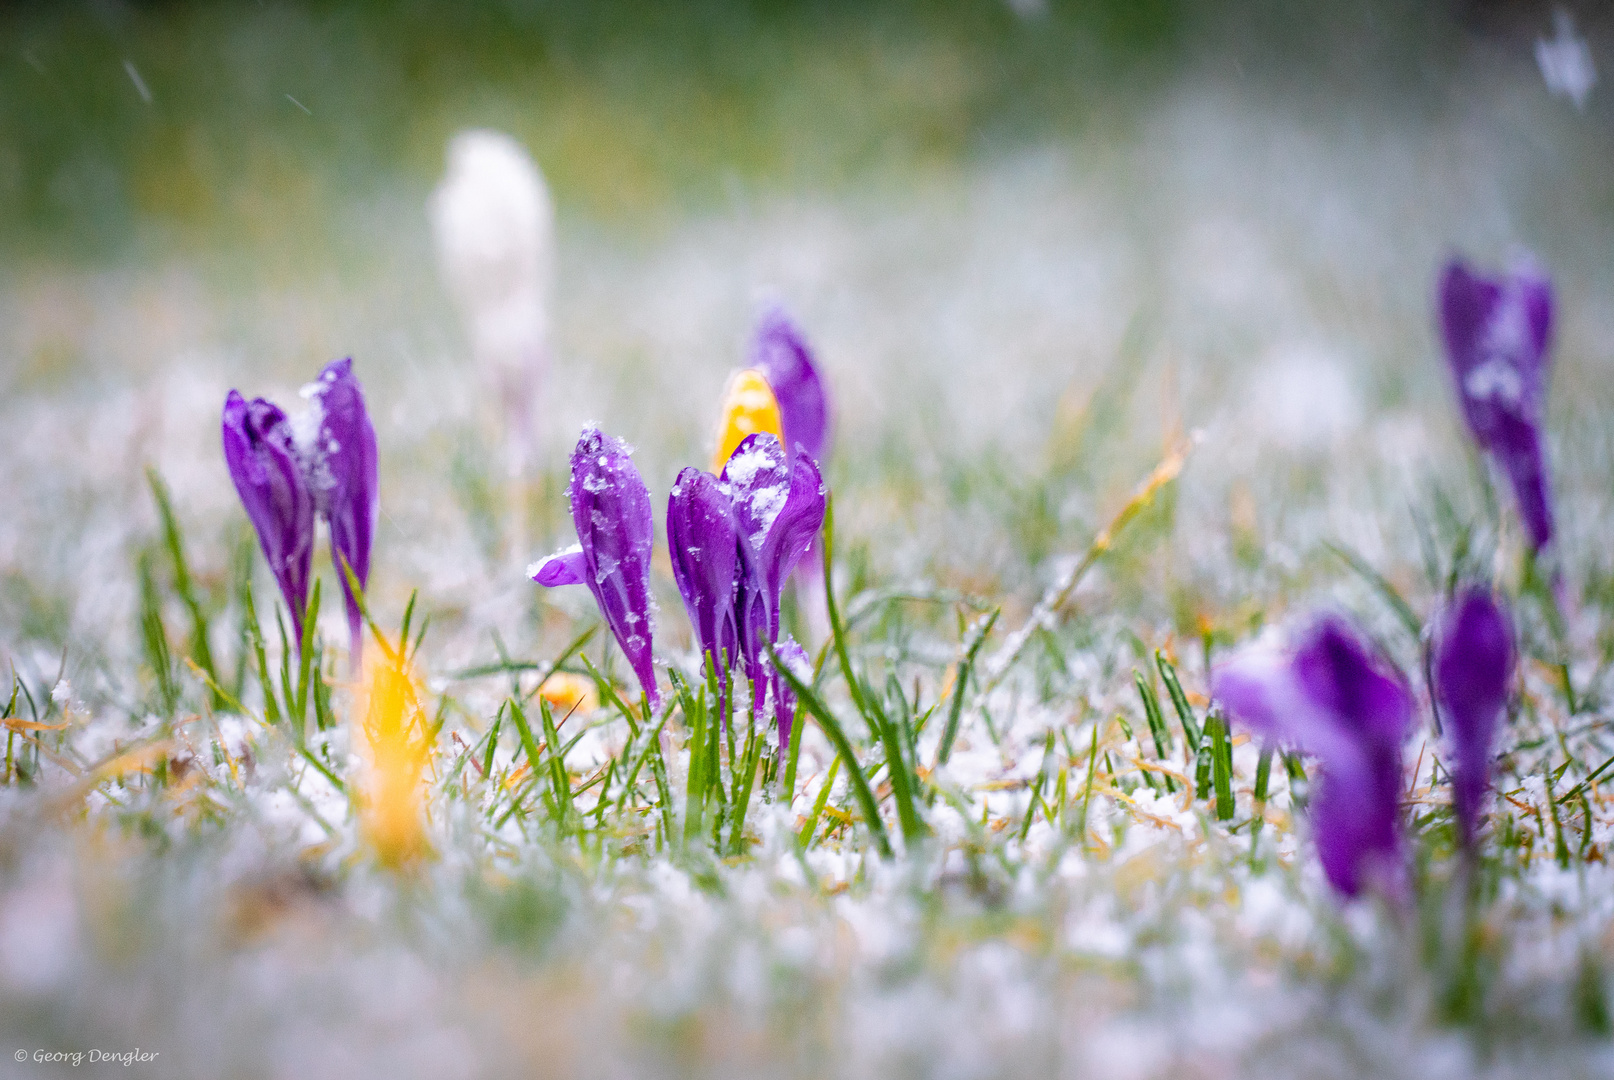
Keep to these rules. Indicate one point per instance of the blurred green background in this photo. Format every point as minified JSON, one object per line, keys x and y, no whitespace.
{"x":230,"y":125}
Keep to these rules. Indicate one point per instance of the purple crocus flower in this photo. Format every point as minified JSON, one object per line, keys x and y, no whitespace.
{"x":262,"y":458}
{"x":345,"y":481}
{"x":778,"y":510}
{"x":1473,"y":664}
{"x":1497,"y":332}
{"x":704,"y":543}
{"x":734,"y":541}
{"x":1334,"y":697}
{"x":287,"y":472}
{"x":781,"y":354}
{"x":615,"y":533}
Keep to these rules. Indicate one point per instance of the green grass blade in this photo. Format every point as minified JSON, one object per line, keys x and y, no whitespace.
{"x":966,"y":667}
{"x":1179,"y":701}
{"x":1157,"y":722}
{"x":903,"y":780}
{"x":1221,"y":765}
{"x":810,"y":826}
{"x":173,"y":540}
{"x":843,"y":746}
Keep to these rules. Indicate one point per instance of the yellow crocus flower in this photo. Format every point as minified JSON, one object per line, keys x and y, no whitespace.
{"x":748,"y":407}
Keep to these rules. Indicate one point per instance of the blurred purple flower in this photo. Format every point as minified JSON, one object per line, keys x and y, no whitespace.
{"x":287,"y":472}
{"x":781,"y":354}
{"x":262,"y":458}
{"x":615,"y":532}
{"x":778,"y":510}
{"x":1497,"y":332}
{"x":1334,"y":697}
{"x":1473,"y":665}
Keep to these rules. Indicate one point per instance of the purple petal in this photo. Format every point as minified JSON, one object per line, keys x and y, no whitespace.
{"x":1473,"y":667}
{"x":1497,"y":333}
{"x":779,"y":508}
{"x":262,"y":458}
{"x":1260,"y":689}
{"x":345,"y":479}
{"x":1355,"y":821}
{"x":562,"y":568}
{"x":781,"y":354}
{"x":1350,"y":682}
{"x":795,"y":658}
{"x":615,"y":526}
{"x":758,"y":476}
{"x":795,"y":528}
{"x":704,"y":545}
{"x":1335,"y":697}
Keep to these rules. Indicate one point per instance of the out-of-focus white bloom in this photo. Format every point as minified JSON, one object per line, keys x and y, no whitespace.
{"x":494,"y":225}
{"x":1566,"y":61}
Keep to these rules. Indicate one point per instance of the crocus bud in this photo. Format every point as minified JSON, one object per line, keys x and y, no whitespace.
{"x":494,"y":224}
{"x":778,"y":510}
{"x":262,"y":457}
{"x":1333,"y":696}
{"x":748,"y":407}
{"x":1473,"y":665}
{"x":615,"y":532}
{"x":780,"y":353}
{"x":1497,"y":332}
{"x":288,"y":471}
{"x":704,"y":546}
{"x":346,"y":482}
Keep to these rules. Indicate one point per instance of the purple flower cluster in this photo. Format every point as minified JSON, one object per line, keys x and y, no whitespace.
{"x":1332,"y":695}
{"x":290,"y":472}
{"x":733,"y":539}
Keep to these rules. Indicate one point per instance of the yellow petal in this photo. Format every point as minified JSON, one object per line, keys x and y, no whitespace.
{"x":396,"y":729}
{"x":748,"y":407}
{"x":565,"y":691}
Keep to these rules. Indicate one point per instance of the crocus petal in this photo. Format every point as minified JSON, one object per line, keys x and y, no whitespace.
{"x":748,"y":407}
{"x":1355,"y":821}
{"x":781,"y":354}
{"x":1473,"y":665}
{"x":795,"y":528}
{"x":778,"y":509}
{"x":562,"y":568}
{"x":758,"y":475}
{"x":1348,"y":681}
{"x":1333,"y":696}
{"x":1497,"y":333}
{"x":704,"y":546}
{"x":262,"y":458}
{"x":345,"y":478}
{"x":611,"y":510}
{"x":795,"y":658}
